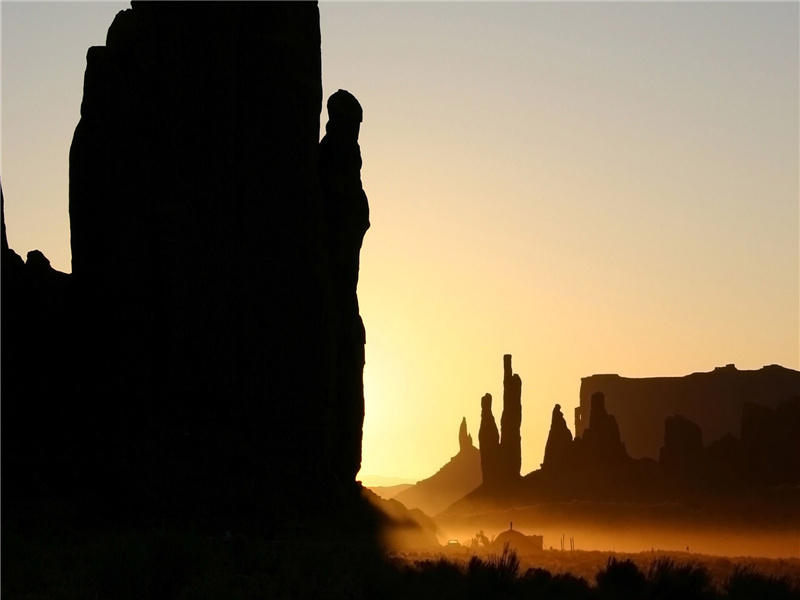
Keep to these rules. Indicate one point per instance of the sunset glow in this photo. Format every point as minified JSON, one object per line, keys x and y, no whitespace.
{"x":592,"y":188}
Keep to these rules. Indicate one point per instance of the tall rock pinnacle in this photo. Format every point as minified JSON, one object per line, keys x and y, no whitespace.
{"x":501,"y":454}
{"x":347,"y":214}
{"x":510,"y":423}
{"x":464,"y":438}
{"x":558,"y":451}
{"x":489,"y":440}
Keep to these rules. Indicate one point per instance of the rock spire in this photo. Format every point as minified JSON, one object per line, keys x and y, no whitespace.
{"x":501,"y":454}
{"x":558,"y":450}
{"x":511,"y":422}
{"x":464,"y":438}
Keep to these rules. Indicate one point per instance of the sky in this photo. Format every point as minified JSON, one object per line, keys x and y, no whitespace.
{"x":590,"y":187}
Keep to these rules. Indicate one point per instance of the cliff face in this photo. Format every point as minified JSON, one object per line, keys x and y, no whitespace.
{"x":714,"y":401}
{"x":217,"y":354}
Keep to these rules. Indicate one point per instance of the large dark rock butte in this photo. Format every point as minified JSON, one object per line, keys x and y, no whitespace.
{"x":713,"y":400}
{"x":213,"y":348}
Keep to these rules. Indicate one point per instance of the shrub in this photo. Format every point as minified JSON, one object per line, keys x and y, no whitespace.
{"x":541,"y":584}
{"x":493,"y":577}
{"x":620,"y":579}
{"x":745,"y":583}
{"x":668,"y":579}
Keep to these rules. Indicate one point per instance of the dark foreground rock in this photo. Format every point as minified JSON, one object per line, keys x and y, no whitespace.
{"x":208,"y":347}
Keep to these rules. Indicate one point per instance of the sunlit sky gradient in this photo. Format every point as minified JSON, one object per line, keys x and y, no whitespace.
{"x":591,"y":187}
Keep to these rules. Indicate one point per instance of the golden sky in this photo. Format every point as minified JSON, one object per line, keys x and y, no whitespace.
{"x":590,"y":187}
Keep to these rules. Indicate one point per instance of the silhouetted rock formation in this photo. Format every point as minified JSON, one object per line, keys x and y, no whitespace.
{"x":215,"y":351}
{"x":712,"y":400}
{"x":464,"y":438}
{"x":347,"y":215}
{"x":510,"y":423}
{"x":769,"y":440}
{"x":558,"y":452}
{"x":501,"y":457}
{"x":766,"y":455}
{"x":590,"y":482}
{"x":489,"y":441}
{"x":37,"y":351}
{"x":683,"y":444}
{"x":726,"y":456}
{"x":595,"y":468}
{"x":601,"y":440}
{"x":453,"y":481}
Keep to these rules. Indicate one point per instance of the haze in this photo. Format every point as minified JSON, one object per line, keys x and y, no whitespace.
{"x":590,"y":187}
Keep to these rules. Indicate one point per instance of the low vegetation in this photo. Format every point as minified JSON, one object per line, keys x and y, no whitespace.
{"x":181,"y":565}
{"x":501,"y":576}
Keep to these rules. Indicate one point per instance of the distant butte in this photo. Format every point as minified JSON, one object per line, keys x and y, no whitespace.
{"x":713,"y":400}
{"x":595,"y":467}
